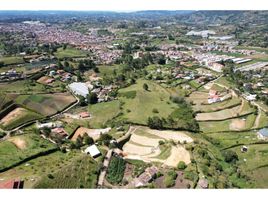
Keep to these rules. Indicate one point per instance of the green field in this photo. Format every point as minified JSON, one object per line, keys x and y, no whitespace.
{"x":224,"y":125}
{"x":30,"y":145}
{"x":70,"y":53}
{"x":116,"y":168}
{"x":218,"y":106}
{"x":12,"y":60}
{"x":103,"y":112}
{"x":79,"y":172}
{"x":139,"y":108}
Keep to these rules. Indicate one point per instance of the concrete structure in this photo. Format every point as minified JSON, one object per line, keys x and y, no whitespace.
{"x":263,"y":134}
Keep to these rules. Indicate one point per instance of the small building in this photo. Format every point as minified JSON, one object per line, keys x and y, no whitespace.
{"x":59,"y":131}
{"x":84,"y":115}
{"x":93,"y":151}
{"x":12,"y":184}
{"x":263,"y":134}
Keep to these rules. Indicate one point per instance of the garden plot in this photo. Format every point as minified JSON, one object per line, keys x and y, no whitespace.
{"x":144,"y":145}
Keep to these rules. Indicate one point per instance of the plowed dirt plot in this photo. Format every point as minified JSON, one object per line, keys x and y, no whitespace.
{"x":144,"y":145}
{"x":237,"y":124}
{"x":13,"y":115}
{"x":94,"y":133}
{"x":219,"y":115}
{"x":18,"y":142}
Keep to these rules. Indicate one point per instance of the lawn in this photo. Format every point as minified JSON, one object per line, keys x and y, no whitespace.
{"x":22,"y":86}
{"x":21,"y":147}
{"x":139,"y":108}
{"x":70,"y":53}
{"x":103,"y":112}
{"x":12,"y":60}
{"x":108,"y":70}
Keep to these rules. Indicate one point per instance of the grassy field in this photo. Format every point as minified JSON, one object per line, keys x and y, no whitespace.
{"x":21,"y":147}
{"x":21,"y":86}
{"x":70,"y":53}
{"x":225,"y":125}
{"x":223,"y":81}
{"x":139,"y":108}
{"x":46,"y":104}
{"x":12,"y":60}
{"x":108,"y":70}
{"x":79,"y":172}
{"x":102,"y":112}
{"x":218,"y":106}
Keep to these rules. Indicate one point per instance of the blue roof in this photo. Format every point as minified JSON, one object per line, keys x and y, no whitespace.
{"x":264,"y":132}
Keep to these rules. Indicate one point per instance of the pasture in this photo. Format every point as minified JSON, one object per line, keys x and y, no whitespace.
{"x":138,"y":108}
{"x":103,"y":112}
{"x":18,"y":148}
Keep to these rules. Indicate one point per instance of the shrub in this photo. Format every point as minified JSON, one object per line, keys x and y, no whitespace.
{"x":181,"y":165}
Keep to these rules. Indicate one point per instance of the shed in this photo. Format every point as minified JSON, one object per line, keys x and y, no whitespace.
{"x":93,"y":151}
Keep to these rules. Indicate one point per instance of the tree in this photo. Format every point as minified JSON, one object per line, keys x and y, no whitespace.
{"x":2,"y":63}
{"x":155,"y":122}
{"x":181,"y":165}
{"x":145,"y":87}
{"x":88,"y":140}
{"x":92,"y":98}
{"x":79,"y":142}
{"x":230,"y":156}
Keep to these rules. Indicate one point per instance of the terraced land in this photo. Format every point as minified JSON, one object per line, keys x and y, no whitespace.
{"x":145,"y":145}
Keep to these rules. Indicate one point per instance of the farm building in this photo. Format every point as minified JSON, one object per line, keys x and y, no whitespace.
{"x":263,"y":133}
{"x":79,"y":88}
{"x":93,"y":151}
{"x":60,"y":131}
{"x":12,"y":184}
{"x":203,"y":183}
{"x":84,"y":115}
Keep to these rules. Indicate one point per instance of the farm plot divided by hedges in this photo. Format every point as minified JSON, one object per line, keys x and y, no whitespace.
{"x":243,"y":109}
{"x":46,"y":104}
{"x":18,"y":148}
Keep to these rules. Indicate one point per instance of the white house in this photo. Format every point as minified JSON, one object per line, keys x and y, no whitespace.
{"x":93,"y":151}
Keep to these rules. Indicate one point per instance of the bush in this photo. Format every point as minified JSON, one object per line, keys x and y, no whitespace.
{"x":155,"y":122}
{"x":230,"y":156}
{"x":155,"y":110}
{"x":170,"y":179}
{"x":181,"y":165}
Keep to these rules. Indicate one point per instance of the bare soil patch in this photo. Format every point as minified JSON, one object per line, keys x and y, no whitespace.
{"x":12,"y":115}
{"x":237,"y":124}
{"x":18,"y":142}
